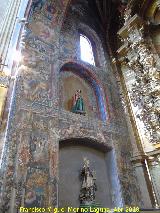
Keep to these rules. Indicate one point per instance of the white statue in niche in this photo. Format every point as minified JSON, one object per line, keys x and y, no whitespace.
{"x":88,"y":188}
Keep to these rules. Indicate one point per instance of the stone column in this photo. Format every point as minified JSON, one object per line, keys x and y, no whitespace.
{"x":4,"y":82}
{"x":8,"y":14}
{"x":8,"y":25}
{"x":154,"y":166}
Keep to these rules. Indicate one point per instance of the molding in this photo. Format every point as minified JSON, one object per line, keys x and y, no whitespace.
{"x":135,"y":20}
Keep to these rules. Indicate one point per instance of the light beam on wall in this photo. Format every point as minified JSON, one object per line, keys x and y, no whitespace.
{"x":17,"y":56}
{"x":7,"y":71}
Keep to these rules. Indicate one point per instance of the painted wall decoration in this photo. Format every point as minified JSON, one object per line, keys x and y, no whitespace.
{"x":38,"y":5}
{"x":37,"y":121}
{"x":37,"y":167}
{"x":43,"y":31}
{"x":39,"y":149}
{"x":36,"y":189}
{"x":24,"y":155}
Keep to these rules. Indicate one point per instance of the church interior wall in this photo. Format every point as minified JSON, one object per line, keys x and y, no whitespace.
{"x":36,"y":122}
{"x":70,"y":48}
{"x":141,"y":178}
{"x":152,"y":15}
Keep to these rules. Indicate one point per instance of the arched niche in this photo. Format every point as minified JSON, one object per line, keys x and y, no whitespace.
{"x":71,"y":155}
{"x":88,"y":76}
{"x":69,"y":84}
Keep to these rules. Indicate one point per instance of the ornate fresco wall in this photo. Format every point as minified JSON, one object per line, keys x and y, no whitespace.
{"x":37,"y":122}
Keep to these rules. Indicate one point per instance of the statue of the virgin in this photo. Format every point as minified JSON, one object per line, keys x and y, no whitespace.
{"x":88,"y":188}
{"x":78,"y":103}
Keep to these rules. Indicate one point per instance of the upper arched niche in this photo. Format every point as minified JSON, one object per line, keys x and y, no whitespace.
{"x":87,"y":75}
{"x":69,"y":83}
{"x":74,"y":24}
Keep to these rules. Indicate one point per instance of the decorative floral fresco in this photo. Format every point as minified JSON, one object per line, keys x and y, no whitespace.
{"x":42,"y":31}
{"x":36,"y":189}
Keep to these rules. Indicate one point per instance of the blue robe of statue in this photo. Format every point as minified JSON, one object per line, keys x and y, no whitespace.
{"x":78,"y":106}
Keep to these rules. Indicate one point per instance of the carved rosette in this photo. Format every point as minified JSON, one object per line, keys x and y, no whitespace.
{"x":145,"y":92}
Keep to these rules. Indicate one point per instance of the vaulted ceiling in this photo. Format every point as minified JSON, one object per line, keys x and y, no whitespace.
{"x":105,"y":14}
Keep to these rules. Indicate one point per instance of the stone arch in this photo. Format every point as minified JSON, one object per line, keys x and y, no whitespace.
{"x":87,"y":74}
{"x":87,"y":141}
{"x":81,"y":133}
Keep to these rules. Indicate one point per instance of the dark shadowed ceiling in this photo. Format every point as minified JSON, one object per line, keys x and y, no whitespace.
{"x":105,"y":16}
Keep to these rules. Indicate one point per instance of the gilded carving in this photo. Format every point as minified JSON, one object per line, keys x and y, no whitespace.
{"x":145,"y":92}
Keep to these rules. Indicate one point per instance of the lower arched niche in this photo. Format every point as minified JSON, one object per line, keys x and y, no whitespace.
{"x":71,"y":155}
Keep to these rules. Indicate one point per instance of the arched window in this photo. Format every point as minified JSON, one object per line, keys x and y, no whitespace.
{"x":86,"y":50}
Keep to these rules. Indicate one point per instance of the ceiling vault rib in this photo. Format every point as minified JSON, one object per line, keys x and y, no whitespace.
{"x":100,"y":11}
{"x":105,"y":9}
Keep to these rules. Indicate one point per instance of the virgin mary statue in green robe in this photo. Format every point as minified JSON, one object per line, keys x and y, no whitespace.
{"x":78,"y":103}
